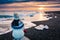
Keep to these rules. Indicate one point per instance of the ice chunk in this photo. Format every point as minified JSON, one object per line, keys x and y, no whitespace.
{"x":46,"y":27}
{"x":55,"y":16}
{"x":50,"y":17}
{"x":40,"y":27}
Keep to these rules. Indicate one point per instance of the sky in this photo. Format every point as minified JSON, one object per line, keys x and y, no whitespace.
{"x":11,"y":1}
{"x":4,"y":6}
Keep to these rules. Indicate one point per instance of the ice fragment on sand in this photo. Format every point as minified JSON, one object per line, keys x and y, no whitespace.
{"x":40,"y":27}
{"x":46,"y":27}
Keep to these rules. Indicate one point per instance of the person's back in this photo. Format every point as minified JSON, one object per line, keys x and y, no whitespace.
{"x":17,"y":28}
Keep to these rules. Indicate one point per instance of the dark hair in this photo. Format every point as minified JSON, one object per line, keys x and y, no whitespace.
{"x":15,"y":23}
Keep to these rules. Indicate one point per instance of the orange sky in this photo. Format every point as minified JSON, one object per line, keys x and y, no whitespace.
{"x":35,"y":6}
